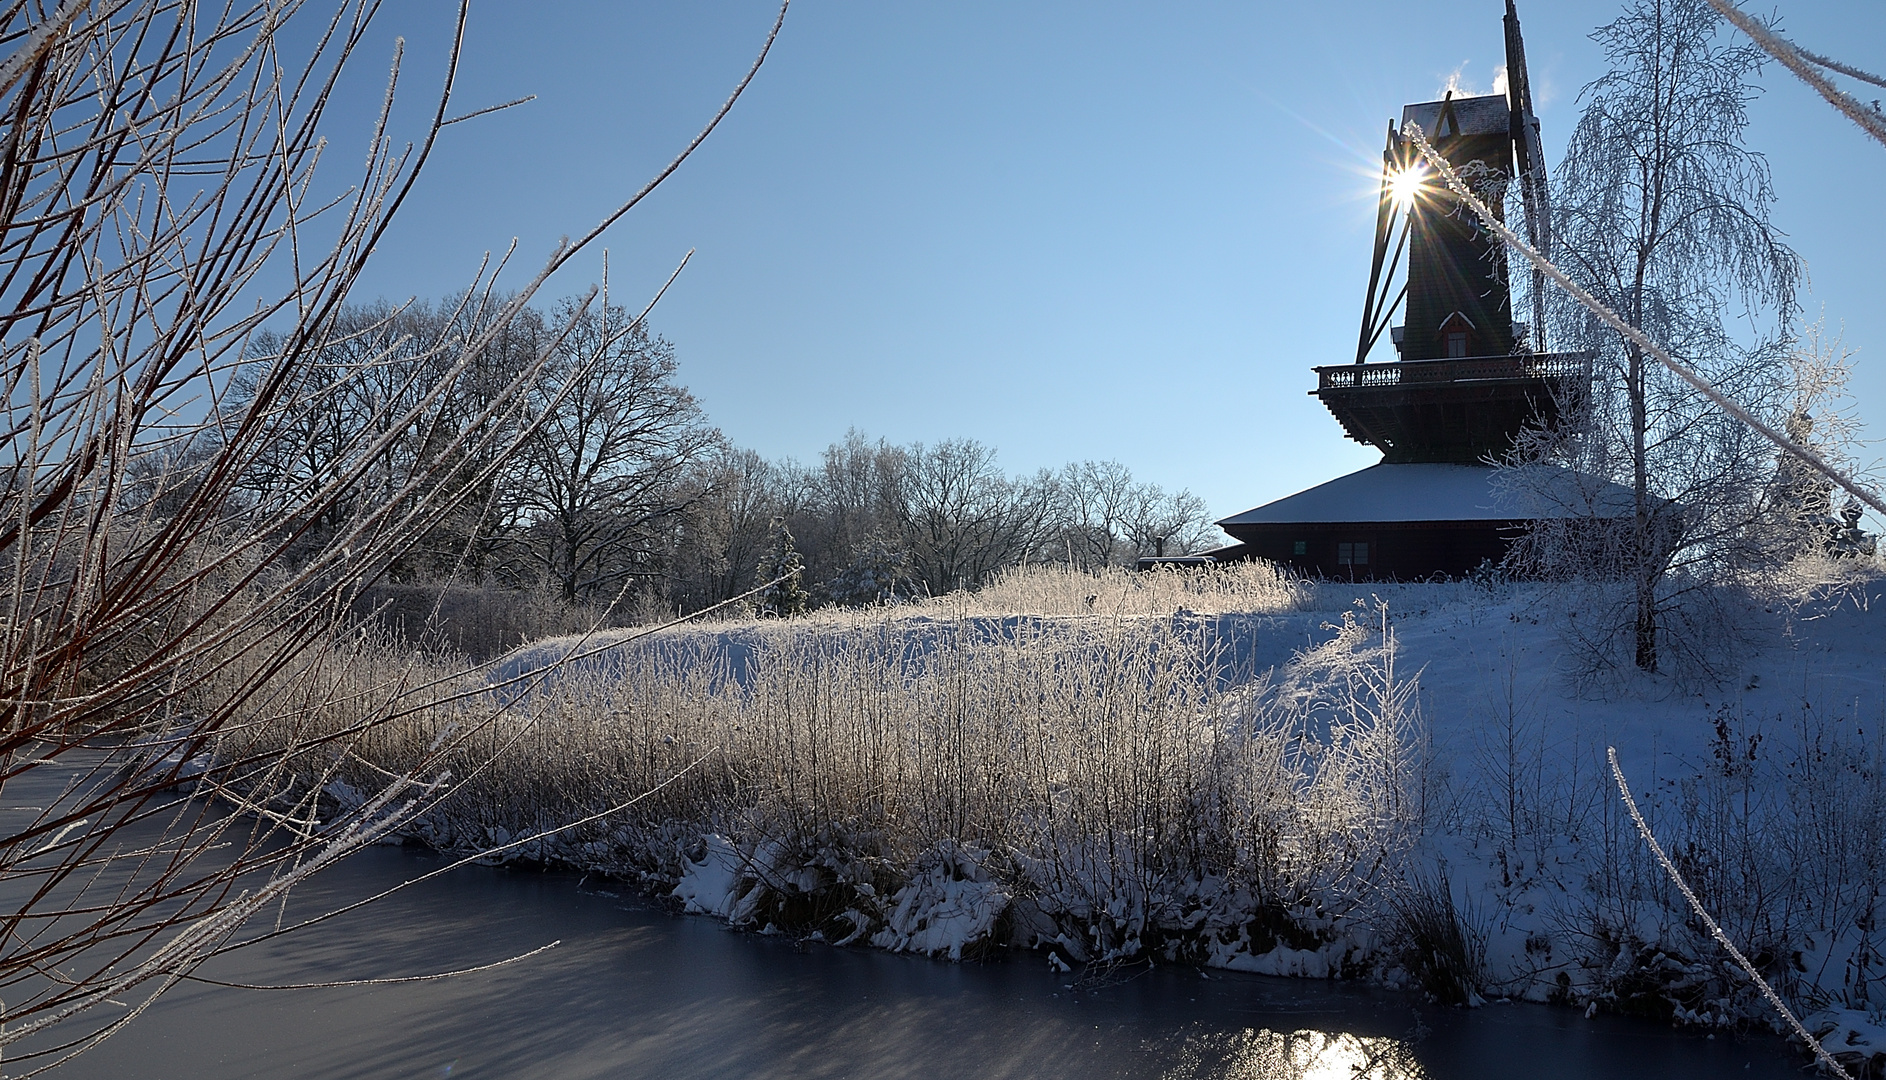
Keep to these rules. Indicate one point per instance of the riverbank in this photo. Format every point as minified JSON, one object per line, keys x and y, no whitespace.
{"x":1413,"y":795}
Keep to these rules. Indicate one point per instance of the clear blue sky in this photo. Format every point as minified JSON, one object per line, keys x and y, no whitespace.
{"x":1069,"y":230}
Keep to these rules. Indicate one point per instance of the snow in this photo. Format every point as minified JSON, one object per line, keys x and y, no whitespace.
{"x":1852,"y":1036}
{"x":711,"y":884}
{"x":1318,"y":963}
{"x":1478,"y":650}
{"x":1439,"y":492}
{"x":1705,"y":756}
{"x":1483,"y":115}
{"x":950,"y":905}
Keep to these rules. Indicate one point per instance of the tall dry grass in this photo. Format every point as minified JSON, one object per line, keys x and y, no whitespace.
{"x":1060,"y":590}
{"x":1088,"y":766}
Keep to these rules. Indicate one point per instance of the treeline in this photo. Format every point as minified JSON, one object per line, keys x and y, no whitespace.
{"x":618,"y":486}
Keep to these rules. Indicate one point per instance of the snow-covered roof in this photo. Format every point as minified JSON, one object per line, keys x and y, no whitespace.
{"x":1438,"y":492}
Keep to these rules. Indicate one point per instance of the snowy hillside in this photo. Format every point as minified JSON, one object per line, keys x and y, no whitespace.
{"x":1401,"y":783}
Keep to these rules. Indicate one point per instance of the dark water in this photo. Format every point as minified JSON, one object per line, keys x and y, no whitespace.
{"x":633,"y":991}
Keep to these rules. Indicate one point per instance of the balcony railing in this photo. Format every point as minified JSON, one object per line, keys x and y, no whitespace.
{"x":1465,"y":369}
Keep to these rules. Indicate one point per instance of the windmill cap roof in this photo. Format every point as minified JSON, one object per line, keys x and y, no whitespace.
{"x":1489,"y":115}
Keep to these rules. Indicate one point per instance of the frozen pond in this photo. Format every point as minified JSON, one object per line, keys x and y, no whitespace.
{"x":635,"y":991}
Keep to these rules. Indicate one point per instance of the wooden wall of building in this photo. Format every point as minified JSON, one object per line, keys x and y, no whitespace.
{"x":1400,"y":551}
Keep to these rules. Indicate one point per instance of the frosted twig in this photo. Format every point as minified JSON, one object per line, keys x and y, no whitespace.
{"x":38,"y":40}
{"x":487,"y":109}
{"x":568,"y":251}
{"x":1844,"y":69}
{"x":1642,"y":340}
{"x":1715,"y":931}
{"x":149,"y":551}
{"x":1802,"y":64}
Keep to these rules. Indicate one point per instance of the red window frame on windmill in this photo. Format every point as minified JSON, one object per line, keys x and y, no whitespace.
{"x":1456,"y":333}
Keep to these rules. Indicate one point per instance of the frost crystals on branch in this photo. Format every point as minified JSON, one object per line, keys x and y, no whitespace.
{"x":1643,"y":829}
{"x":1804,"y":64}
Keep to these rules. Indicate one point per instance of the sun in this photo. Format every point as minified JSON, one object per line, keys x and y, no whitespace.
{"x":1403,"y":186}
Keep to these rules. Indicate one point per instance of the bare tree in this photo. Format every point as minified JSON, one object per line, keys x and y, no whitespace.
{"x":614,"y":437}
{"x":1169,"y":523}
{"x":964,"y":519}
{"x":1099,"y":500}
{"x":1109,"y":519}
{"x":721,"y":543}
{"x":874,"y":521}
{"x":375,"y":363}
{"x":467,"y":540}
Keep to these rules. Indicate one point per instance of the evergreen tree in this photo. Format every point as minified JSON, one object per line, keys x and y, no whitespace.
{"x":787,"y":596}
{"x":879,"y":570}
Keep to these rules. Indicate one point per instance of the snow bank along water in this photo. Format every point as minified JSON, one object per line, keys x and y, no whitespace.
{"x":1270,"y":792}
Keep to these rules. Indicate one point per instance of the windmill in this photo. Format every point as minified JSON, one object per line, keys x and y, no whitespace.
{"x":1453,"y":268}
{"x":1467,"y":379}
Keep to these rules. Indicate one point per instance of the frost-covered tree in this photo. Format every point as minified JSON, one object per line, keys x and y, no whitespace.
{"x":1800,"y":502}
{"x":879,"y":570}
{"x":1663,"y":215}
{"x":858,"y":490}
{"x":963,"y":518}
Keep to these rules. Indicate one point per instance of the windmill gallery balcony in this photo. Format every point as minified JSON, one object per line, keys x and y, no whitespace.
{"x":1458,"y":410}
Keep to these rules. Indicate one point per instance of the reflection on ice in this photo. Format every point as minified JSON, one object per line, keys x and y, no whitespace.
{"x":1255,"y":1054}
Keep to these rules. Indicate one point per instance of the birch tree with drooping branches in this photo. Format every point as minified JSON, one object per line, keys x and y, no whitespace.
{"x":1662,"y":214}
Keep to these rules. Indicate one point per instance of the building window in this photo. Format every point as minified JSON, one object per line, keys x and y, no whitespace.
{"x":1456,"y":333}
{"x":1356,"y":554}
{"x":1301,"y":547}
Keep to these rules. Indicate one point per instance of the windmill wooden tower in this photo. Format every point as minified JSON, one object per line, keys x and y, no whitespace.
{"x":1467,"y":377}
